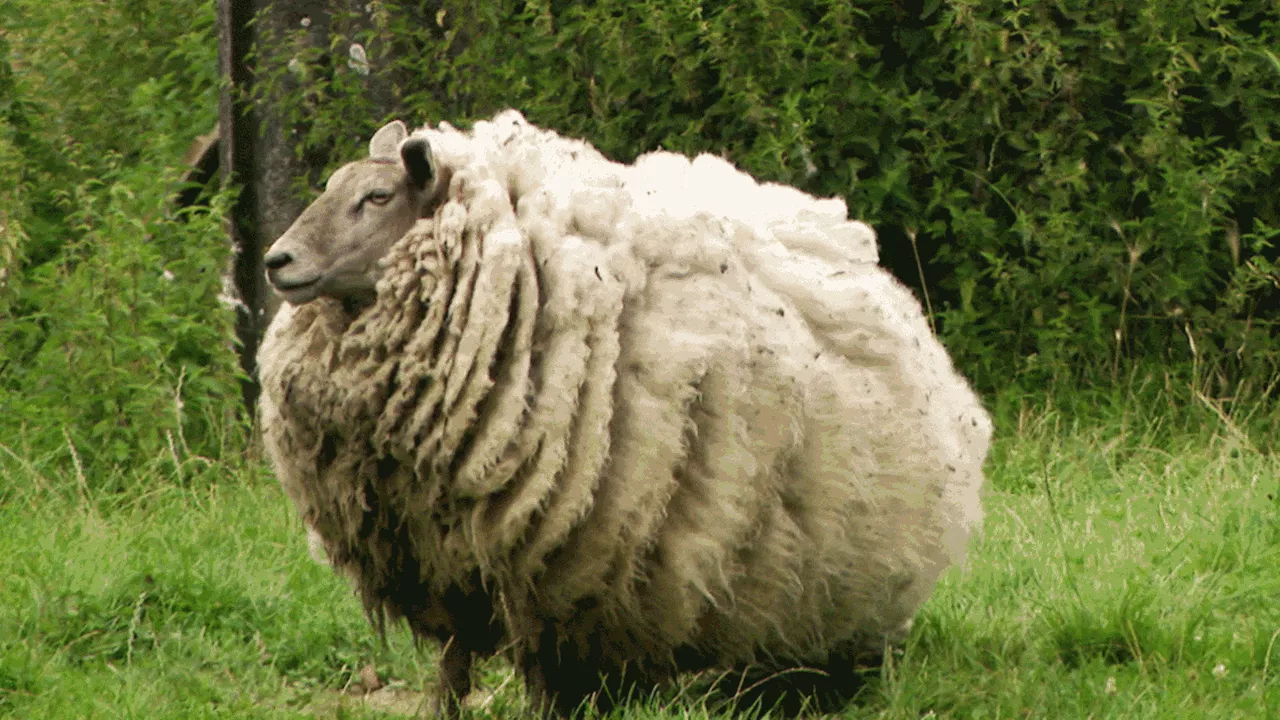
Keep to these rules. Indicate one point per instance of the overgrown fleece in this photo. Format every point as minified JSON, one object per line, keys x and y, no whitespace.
{"x":1088,"y":183}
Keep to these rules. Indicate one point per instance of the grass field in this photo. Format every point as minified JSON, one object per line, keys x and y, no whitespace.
{"x":1129,"y":568}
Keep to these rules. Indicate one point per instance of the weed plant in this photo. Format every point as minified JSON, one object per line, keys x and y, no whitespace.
{"x":114,"y":348}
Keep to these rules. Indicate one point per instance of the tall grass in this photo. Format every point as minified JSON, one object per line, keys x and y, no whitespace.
{"x":1128,"y":568}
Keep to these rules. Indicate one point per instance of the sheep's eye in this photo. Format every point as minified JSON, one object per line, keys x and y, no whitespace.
{"x":378,"y":197}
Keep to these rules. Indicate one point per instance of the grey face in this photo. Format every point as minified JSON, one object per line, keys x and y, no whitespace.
{"x":333,"y":248}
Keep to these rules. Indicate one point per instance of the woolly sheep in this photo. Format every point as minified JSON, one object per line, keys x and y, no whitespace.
{"x":623,"y":420}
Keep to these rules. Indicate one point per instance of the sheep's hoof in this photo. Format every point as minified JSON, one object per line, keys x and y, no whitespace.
{"x":455,"y":680}
{"x":443,"y":705}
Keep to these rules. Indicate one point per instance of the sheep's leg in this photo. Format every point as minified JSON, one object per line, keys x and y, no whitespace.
{"x":562,"y":679}
{"x":790,"y":690}
{"x":551,"y":680}
{"x":535,"y":685}
{"x":455,"y":678}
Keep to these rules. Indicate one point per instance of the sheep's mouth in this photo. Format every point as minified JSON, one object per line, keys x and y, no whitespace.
{"x":289,"y":285}
{"x":298,"y":292}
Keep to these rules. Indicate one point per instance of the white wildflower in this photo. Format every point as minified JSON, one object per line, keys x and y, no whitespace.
{"x":1219,"y":671}
{"x":1110,"y":687}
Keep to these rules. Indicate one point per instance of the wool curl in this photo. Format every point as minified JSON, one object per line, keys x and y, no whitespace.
{"x":660,"y":416}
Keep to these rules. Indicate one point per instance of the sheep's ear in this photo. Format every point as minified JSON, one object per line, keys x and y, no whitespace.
{"x":421,"y":166}
{"x":386,"y":140}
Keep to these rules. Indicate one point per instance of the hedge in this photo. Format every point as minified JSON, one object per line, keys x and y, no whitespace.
{"x":1079,"y":188}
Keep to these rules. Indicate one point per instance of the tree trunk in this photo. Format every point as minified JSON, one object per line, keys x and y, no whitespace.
{"x":258,"y":145}
{"x":237,"y":123}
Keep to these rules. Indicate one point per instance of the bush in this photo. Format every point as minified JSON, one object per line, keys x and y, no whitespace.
{"x":1079,"y":186}
{"x":114,"y":350}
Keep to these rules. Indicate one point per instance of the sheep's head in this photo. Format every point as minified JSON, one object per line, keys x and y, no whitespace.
{"x":334,"y":247}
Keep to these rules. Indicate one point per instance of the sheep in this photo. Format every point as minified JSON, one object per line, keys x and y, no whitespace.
{"x":622,"y":421}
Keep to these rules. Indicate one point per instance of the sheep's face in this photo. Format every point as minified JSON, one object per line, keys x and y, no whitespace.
{"x":334,"y":248}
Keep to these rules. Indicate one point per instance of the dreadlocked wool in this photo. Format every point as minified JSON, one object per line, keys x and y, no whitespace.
{"x":634,"y":419}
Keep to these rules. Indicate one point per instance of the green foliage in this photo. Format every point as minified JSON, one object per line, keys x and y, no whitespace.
{"x":13,"y":206}
{"x":113,"y":347}
{"x":1089,"y":186}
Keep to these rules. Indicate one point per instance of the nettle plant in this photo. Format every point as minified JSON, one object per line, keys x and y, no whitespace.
{"x":115,"y":352}
{"x":120,"y":351}
{"x":1077,"y":190}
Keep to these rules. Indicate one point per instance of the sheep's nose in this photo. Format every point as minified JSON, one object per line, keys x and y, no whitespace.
{"x":277,"y":260}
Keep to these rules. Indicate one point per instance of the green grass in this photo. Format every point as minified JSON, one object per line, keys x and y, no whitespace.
{"x":1129,"y":568}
